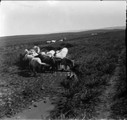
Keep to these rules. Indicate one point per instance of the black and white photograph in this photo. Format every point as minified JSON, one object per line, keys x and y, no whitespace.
{"x":63,"y":60}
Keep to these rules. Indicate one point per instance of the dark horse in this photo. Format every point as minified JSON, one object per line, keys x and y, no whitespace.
{"x":48,"y":60}
{"x":67,"y":63}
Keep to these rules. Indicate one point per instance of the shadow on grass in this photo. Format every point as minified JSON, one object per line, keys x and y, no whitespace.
{"x":23,"y":67}
{"x":24,"y":73}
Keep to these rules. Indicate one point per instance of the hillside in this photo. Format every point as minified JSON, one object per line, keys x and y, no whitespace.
{"x":97,"y":91}
{"x":20,"y":39}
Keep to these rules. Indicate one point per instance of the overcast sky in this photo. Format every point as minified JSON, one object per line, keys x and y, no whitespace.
{"x":40,"y":17}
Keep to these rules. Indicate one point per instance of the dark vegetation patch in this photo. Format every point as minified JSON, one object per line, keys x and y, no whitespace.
{"x":68,"y":45}
{"x":97,"y":91}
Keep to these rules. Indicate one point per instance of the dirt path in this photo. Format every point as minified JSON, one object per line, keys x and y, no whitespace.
{"x":107,"y":98}
{"x":104,"y":108}
{"x":20,"y":92}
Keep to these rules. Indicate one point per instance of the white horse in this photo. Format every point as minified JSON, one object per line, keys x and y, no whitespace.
{"x":48,"y":41}
{"x":29,"y":54}
{"x":50,"y":53}
{"x":37,"y":49}
{"x":32,"y":52}
{"x":26,"y":51}
{"x":28,"y":57}
{"x":42,"y":53}
{"x":61,"y":40}
{"x":53,"y":41}
{"x":62,"y":53}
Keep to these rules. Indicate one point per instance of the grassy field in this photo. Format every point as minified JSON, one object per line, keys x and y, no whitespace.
{"x":97,"y":91}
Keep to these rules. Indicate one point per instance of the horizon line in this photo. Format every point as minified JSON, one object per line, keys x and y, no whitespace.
{"x":69,"y":31}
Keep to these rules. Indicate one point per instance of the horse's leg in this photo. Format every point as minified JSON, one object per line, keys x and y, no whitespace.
{"x":52,"y":68}
{"x":65,"y":68}
{"x":35,"y":73}
{"x":31,"y":68}
{"x":34,"y":70}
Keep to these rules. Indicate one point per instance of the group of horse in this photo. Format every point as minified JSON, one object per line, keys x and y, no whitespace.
{"x":42,"y":61}
{"x":53,"y":41}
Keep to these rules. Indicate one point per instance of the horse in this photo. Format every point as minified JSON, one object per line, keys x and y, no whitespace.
{"x":37,"y":49}
{"x":48,"y":42}
{"x":50,"y":53}
{"x":67,"y":64}
{"x":37,"y":66}
{"x":53,"y":41}
{"x":48,"y":60}
{"x":62,"y":53}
